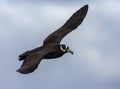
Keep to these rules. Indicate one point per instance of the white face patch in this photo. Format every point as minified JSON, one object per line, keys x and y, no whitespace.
{"x":64,"y":48}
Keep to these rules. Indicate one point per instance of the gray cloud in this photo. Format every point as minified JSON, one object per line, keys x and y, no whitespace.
{"x":23,"y":26}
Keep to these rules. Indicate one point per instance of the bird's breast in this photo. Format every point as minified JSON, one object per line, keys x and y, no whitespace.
{"x":53,"y":55}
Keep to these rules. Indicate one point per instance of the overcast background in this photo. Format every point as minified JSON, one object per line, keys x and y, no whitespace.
{"x":24,"y":24}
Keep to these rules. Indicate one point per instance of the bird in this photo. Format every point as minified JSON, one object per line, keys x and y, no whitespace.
{"x":52,"y":48}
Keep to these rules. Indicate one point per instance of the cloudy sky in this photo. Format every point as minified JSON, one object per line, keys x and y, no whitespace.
{"x":24,"y":24}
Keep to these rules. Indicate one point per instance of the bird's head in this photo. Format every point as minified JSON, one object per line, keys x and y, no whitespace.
{"x":65,"y":48}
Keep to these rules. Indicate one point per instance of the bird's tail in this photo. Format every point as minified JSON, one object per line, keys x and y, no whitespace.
{"x":24,"y":55}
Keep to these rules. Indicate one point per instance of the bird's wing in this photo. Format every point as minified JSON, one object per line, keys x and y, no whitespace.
{"x":32,"y":61}
{"x":73,"y":22}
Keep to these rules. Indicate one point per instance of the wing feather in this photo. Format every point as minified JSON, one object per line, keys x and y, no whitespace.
{"x":74,"y":21}
{"x":32,"y":61}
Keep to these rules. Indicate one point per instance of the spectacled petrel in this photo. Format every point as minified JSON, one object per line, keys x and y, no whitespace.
{"x":51,"y":47}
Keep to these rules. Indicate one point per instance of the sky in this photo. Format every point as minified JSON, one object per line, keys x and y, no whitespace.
{"x":24,"y":24}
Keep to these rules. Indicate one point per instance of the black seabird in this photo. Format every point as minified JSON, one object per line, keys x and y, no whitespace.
{"x":51,"y":47}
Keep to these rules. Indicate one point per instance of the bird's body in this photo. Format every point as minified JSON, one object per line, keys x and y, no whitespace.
{"x":54,"y":54}
{"x":51,"y":47}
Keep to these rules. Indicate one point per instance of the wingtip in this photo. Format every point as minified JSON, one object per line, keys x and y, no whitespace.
{"x":86,"y":6}
{"x":85,"y":9}
{"x":21,"y":71}
{"x":25,"y":70}
{"x":18,"y":71}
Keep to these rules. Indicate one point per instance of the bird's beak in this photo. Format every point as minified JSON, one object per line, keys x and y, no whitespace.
{"x":69,"y":51}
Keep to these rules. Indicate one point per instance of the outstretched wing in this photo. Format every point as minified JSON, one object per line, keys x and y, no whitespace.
{"x":32,"y":61}
{"x":74,"y":21}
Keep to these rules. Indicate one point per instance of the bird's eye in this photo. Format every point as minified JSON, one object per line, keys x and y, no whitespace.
{"x":64,"y":48}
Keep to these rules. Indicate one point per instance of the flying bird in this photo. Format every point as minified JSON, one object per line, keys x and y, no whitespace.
{"x":51,"y":47}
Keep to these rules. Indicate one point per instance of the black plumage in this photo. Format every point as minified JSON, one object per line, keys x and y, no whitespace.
{"x":51,"y":47}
